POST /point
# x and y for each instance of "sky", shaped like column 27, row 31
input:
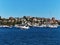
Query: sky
column 36, row 8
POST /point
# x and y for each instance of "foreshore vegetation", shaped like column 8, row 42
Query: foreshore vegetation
column 27, row 20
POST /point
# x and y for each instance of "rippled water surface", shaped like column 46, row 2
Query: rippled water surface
column 32, row 36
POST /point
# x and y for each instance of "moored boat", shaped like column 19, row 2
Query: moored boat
column 24, row 27
column 53, row 26
column 5, row 26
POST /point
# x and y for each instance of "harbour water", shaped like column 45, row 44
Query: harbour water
column 32, row 36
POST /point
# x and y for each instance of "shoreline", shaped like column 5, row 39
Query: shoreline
column 17, row 26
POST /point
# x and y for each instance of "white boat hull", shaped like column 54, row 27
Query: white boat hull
column 53, row 26
column 24, row 27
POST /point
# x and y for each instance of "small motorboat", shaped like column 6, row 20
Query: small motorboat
column 5, row 26
column 53, row 26
column 42, row 25
column 24, row 27
column 17, row 26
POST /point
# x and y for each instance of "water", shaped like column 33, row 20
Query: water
column 32, row 36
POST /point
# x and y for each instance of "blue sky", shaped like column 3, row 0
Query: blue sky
column 39, row 8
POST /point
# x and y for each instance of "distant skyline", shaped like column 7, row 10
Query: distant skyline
column 36, row 8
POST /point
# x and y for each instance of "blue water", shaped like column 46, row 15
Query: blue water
column 32, row 36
